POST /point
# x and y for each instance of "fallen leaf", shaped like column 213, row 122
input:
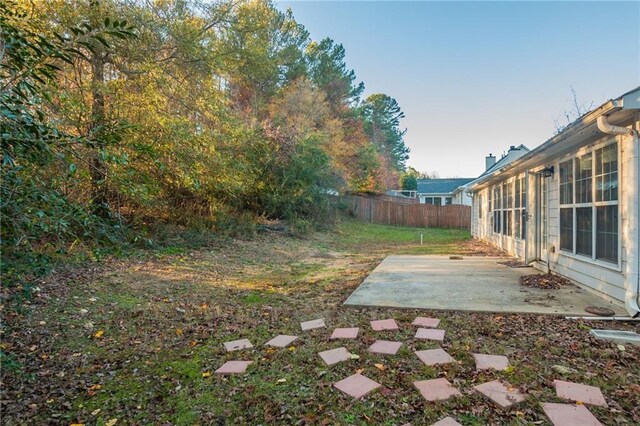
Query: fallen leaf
column 99, row 334
column 354, row 356
column 292, row 348
column 206, row 374
column 111, row 422
column 179, row 331
column 95, row 412
column 282, row 380
column 379, row 367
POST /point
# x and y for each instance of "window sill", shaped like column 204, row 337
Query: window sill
column 596, row 262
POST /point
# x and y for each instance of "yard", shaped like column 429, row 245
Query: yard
column 137, row 341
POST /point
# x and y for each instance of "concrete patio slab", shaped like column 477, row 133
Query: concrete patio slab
column 313, row 324
column 436, row 389
column 491, row 362
column 345, row 333
column 477, row 284
column 569, row 415
column 383, row 325
column 357, row 386
column 430, row 334
column 233, row 367
column 385, row 347
column 578, row 392
column 501, row 393
column 335, row 356
column 237, row 345
column 281, row 341
column 447, row 421
column 426, row 322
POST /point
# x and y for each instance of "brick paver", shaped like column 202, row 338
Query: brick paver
column 310, row 325
column 233, row 367
column 335, row 356
column 434, row 356
column 501, row 393
column 345, row 333
column 357, row 386
column 569, row 415
column 281, row 341
column 237, row 345
column 385, row 347
column 577, row 392
column 386, row 324
column 487, row 362
column 436, row 389
column 430, row 334
column 426, row 322
column 447, row 421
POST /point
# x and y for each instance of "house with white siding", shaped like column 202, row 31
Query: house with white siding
column 571, row 205
column 442, row 192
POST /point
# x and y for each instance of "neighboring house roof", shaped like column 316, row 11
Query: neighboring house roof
column 513, row 154
column 441, row 186
column 570, row 137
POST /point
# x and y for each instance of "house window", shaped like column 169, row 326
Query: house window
column 448, row 201
column 436, row 201
column 520, row 203
column 497, row 210
column 588, row 207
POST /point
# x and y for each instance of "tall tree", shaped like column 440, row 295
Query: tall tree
column 382, row 116
column 328, row 70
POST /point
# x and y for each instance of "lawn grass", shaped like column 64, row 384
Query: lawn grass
column 138, row 341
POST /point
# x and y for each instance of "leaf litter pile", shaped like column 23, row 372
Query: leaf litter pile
column 544, row 281
column 136, row 342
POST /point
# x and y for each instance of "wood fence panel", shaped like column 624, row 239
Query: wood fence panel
column 387, row 211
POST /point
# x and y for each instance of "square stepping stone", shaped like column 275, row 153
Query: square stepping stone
column 430, row 334
column 447, row 421
column 335, row 356
column 357, row 386
column 569, row 415
column 434, row 356
column 577, row 392
column 345, row 333
column 233, row 367
column 436, row 389
column 426, row 322
column 487, row 362
column 310, row 325
column 502, row 394
column 385, row 347
column 281, row 341
column 237, row 345
column 382, row 325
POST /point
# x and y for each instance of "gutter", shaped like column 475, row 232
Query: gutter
column 632, row 273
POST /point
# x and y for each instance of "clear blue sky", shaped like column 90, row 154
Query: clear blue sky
column 477, row 77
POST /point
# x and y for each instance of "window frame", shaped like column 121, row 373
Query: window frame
column 593, row 204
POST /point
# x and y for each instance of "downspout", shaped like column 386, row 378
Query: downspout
column 632, row 278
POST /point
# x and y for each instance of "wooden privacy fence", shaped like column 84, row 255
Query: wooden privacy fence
column 418, row 215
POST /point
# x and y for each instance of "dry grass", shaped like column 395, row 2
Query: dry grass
column 153, row 328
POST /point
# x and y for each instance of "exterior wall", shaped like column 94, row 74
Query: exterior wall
column 606, row 279
column 459, row 197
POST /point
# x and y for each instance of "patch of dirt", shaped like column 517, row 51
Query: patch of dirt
column 544, row 281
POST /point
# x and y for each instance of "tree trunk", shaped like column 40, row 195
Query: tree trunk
column 97, row 129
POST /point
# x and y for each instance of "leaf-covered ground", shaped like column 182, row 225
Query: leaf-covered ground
column 134, row 342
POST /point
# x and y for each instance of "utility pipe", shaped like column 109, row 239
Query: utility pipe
column 632, row 276
column 605, row 318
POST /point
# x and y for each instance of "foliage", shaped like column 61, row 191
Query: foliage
column 119, row 116
column 409, row 181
